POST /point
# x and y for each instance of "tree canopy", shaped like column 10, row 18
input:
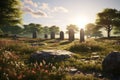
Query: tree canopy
column 10, row 13
column 46, row 30
column 108, row 19
column 54, row 29
column 92, row 30
column 73, row 27
column 32, row 27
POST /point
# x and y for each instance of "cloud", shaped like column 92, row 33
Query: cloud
column 30, row 2
column 37, row 10
column 35, row 14
column 44, row 6
column 60, row 9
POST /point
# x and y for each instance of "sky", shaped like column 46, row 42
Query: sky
column 64, row 12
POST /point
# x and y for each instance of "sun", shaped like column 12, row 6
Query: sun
column 81, row 21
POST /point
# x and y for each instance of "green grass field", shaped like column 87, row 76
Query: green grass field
column 87, row 59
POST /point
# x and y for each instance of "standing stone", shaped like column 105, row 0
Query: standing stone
column 111, row 65
column 46, row 36
column 14, row 37
column 52, row 35
column 82, row 39
column 34, row 35
column 71, row 35
column 61, row 35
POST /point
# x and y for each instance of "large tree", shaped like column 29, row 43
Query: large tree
column 92, row 30
column 73, row 27
column 89, row 29
column 32, row 27
column 54, row 29
column 12, row 29
column 10, row 13
column 108, row 19
column 46, row 30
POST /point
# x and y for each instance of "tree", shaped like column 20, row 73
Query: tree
column 10, row 13
column 12, row 29
column 30, row 28
column 73, row 27
column 92, row 30
column 46, row 30
column 117, row 30
column 89, row 29
column 108, row 19
column 1, row 32
column 54, row 29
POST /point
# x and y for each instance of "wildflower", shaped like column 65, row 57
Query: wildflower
column 33, row 72
column 41, row 64
column 20, row 76
column 46, row 71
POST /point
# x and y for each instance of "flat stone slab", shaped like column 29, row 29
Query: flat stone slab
column 50, row 55
column 57, row 52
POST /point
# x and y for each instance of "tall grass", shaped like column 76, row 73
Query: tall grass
column 16, row 46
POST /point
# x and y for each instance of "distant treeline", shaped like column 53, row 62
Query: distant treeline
column 28, row 29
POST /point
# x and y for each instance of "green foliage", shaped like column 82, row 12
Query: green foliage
column 54, row 29
column 46, row 30
column 1, row 32
column 86, row 47
column 32, row 28
column 73, row 27
column 92, row 30
column 14, row 66
column 11, row 29
column 40, row 29
column 10, row 12
column 108, row 19
column 117, row 30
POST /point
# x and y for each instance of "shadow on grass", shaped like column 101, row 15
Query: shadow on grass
column 65, row 42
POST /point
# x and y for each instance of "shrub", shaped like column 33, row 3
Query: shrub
column 86, row 47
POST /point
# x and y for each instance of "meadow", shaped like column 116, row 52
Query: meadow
column 85, row 64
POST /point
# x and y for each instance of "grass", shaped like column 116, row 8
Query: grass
column 15, row 53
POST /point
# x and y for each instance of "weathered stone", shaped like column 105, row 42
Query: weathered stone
column 52, row 35
column 15, row 37
column 61, row 35
column 111, row 65
column 46, row 36
column 82, row 39
column 34, row 35
column 71, row 35
column 38, row 44
column 50, row 55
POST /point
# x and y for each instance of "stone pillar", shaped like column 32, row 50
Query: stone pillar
column 52, row 35
column 61, row 35
column 71, row 35
column 34, row 35
column 82, row 39
column 14, row 37
column 46, row 36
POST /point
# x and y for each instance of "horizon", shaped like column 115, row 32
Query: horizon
column 62, row 13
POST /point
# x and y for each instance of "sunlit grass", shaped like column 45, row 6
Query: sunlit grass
column 87, row 59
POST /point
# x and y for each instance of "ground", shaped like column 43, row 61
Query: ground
column 85, row 64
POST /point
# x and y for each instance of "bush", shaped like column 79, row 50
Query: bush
column 86, row 47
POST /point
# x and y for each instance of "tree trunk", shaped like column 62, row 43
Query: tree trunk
column 108, row 28
column 108, row 33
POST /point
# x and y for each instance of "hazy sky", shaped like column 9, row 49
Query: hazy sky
column 64, row 12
